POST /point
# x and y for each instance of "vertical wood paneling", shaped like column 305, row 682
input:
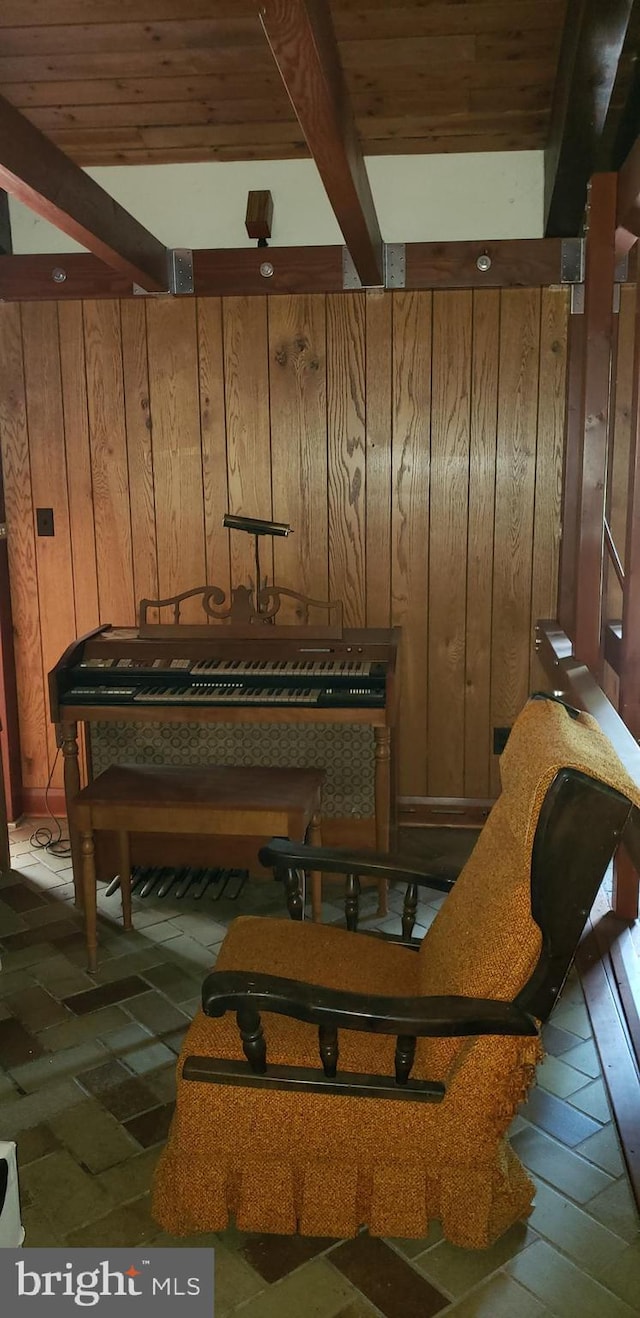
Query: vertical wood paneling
column 379, row 310
column 548, row 479
column 449, row 501
column 14, row 438
column 112, row 510
column 436, row 514
column 482, row 489
column 177, row 452
column 298, row 405
column 515, row 476
column 411, row 346
column 49, row 482
column 214, row 442
column 78, row 463
column 246, row 373
column 139, row 452
column 346, row 440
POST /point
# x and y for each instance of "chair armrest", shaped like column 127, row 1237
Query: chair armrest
column 417, row 1016
column 282, row 855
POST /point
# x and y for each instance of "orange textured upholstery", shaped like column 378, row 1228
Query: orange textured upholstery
column 323, row 1164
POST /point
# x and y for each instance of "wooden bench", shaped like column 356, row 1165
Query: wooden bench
column 257, row 803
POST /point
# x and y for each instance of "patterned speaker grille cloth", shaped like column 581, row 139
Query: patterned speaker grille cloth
column 344, row 751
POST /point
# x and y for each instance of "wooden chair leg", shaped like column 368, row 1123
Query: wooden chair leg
column 87, row 851
column 314, row 838
column 125, row 878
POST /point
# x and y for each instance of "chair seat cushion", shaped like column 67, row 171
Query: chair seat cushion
column 312, row 954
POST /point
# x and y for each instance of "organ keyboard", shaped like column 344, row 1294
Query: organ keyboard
column 315, row 701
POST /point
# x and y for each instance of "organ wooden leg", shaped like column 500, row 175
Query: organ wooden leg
column 87, row 853
column 382, row 797
column 68, row 739
column 314, row 838
column 125, row 878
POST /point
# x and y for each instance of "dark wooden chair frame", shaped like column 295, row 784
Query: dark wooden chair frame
column 579, row 827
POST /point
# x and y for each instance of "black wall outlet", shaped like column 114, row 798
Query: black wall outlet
column 500, row 738
column 44, row 521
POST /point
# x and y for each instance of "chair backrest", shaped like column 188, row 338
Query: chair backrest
column 511, row 925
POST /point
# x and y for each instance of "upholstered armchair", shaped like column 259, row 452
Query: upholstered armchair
column 335, row 1080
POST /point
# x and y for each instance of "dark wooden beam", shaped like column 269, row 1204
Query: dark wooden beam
column 514, row 263
column 522, row 262
column 302, row 40
column 39, row 174
column 594, row 419
column 6, row 245
column 592, row 43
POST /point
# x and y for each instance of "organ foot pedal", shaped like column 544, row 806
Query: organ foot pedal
column 160, row 881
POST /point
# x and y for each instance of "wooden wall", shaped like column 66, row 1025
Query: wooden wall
column 413, row 440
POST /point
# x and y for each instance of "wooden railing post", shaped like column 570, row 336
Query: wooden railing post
column 574, row 433
column 629, row 703
column 598, row 342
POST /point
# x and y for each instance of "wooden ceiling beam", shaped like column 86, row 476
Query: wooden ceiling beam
column 246, row 271
column 39, row 174
column 303, row 43
column 592, row 44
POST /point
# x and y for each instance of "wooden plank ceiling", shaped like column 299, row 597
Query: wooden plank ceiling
column 126, row 81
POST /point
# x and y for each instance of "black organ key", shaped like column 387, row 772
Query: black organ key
column 183, row 887
column 167, row 881
column 150, row 881
column 237, row 880
column 200, row 885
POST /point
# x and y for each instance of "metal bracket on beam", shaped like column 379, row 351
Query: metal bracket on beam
column 179, row 274
column 572, row 261
column 181, row 271
column 621, row 272
column 394, row 265
column 138, row 291
column 350, row 276
column 577, row 299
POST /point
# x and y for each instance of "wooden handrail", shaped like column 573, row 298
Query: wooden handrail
column 573, row 680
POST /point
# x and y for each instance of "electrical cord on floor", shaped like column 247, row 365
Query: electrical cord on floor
column 43, row 839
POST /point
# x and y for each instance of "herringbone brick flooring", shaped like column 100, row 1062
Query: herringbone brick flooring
column 87, row 1085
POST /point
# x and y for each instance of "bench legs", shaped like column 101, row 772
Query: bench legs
column 314, row 839
column 87, row 853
